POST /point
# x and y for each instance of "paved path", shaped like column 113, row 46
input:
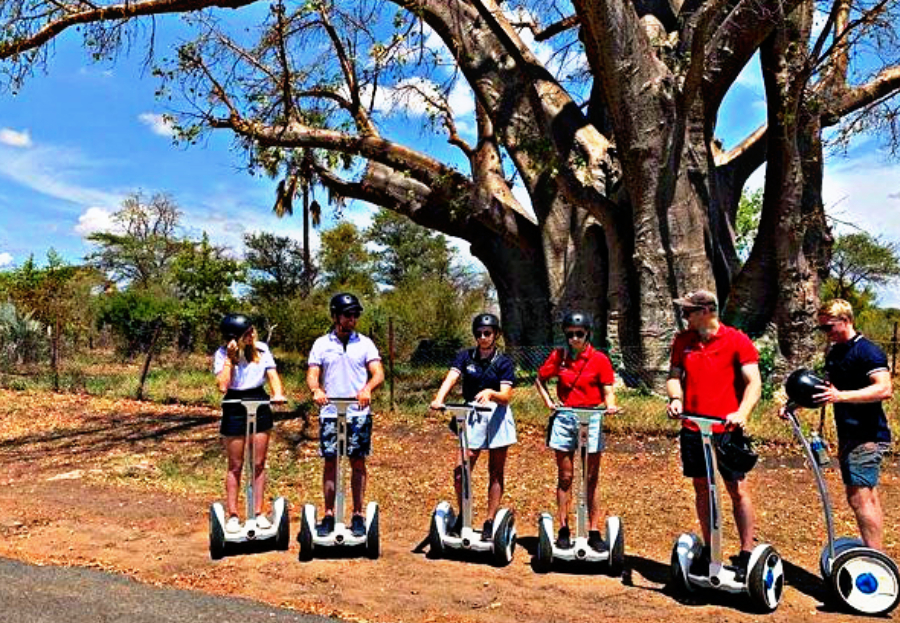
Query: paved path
column 30, row 594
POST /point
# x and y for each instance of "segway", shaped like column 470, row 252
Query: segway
column 502, row 543
column 279, row 531
column 613, row 559
column 341, row 536
column 764, row 583
column 862, row 579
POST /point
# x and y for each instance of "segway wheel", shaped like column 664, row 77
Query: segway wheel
column 543, row 557
column 679, row 585
column 616, row 561
column 216, row 535
column 504, row 540
column 305, row 536
column 373, row 543
column 765, row 583
column 865, row 581
column 435, row 544
column 283, row 533
column 841, row 545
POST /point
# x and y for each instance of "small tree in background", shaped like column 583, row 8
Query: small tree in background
column 345, row 262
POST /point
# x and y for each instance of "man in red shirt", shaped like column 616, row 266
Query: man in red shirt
column 714, row 372
column 585, row 379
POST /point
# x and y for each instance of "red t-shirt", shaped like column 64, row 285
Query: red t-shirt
column 712, row 382
column 580, row 379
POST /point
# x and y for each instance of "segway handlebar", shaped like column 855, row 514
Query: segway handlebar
column 465, row 405
column 243, row 401
column 701, row 419
column 575, row 410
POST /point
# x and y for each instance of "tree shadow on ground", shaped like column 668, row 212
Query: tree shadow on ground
column 105, row 433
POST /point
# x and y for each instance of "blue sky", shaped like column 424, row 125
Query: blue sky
column 77, row 140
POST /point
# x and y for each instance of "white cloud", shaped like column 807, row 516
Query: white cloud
column 49, row 171
column 5, row 259
column 14, row 138
column 95, row 219
column 157, row 123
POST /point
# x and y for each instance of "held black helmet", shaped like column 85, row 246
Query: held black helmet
column 234, row 326
column 802, row 385
column 577, row 319
column 344, row 302
column 735, row 451
column 486, row 320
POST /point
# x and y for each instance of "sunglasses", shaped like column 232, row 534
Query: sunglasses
column 484, row 334
column 571, row 335
column 350, row 314
column 687, row 311
column 825, row 328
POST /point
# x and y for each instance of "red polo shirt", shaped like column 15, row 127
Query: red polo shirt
column 712, row 381
column 580, row 378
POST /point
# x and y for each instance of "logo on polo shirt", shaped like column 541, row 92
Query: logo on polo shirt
column 471, row 368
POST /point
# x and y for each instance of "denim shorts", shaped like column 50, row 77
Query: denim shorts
column 359, row 435
column 694, row 463
column 861, row 462
column 563, row 433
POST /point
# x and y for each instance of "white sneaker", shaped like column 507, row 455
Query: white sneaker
column 233, row 524
column 262, row 522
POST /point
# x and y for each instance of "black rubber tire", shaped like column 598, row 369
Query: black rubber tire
column 543, row 557
column 283, row 534
column 678, row 586
column 840, row 581
column 756, row 584
column 373, row 542
column 435, row 545
column 305, row 538
column 616, row 560
column 216, row 536
column 504, row 540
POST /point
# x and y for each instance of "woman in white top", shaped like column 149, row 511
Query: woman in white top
column 242, row 366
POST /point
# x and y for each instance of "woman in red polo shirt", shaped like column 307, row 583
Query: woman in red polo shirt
column 585, row 379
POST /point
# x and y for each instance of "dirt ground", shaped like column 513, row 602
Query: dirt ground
column 63, row 501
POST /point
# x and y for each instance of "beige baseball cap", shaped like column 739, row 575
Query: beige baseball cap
column 698, row 298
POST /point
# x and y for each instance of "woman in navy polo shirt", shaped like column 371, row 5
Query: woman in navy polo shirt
column 487, row 378
column 585, row 380
column 242, row 366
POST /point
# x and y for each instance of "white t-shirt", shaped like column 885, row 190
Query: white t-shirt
column 246, row 374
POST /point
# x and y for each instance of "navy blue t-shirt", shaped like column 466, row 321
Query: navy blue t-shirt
column 849, row 366
column 478, row 374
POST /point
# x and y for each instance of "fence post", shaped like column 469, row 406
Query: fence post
column 391, row 361
column 894, row 351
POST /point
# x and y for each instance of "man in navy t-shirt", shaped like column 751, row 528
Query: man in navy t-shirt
column 858, row 381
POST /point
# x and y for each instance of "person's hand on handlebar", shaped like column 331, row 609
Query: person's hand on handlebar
column 436, row 405
column 675, row 408
column 735, row 420
column 613, row 409
column 278, row 399
column 364, row 397
column 320, row 397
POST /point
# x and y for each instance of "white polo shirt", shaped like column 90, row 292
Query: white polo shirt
column 344, row 369
column 246, row 374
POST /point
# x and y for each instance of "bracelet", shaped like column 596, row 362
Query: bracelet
column 674, row 398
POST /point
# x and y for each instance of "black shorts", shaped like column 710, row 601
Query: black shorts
column 234, row 416
column 694, row 463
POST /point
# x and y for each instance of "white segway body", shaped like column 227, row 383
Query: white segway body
column 501, row 544
column 612, row 558
column 280, row 529
column 764, row 584
column 341, row 536
column 861, row 579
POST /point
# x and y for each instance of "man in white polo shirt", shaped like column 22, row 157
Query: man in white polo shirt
column 342, row 364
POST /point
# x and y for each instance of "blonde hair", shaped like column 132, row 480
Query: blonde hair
column 247, row 346
column 837, row 308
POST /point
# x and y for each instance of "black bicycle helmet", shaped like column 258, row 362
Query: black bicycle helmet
column 234, row 326
column 344, row 302
column 802, row 385
column 577, row 319
column 486, row 320
column 735, row 451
